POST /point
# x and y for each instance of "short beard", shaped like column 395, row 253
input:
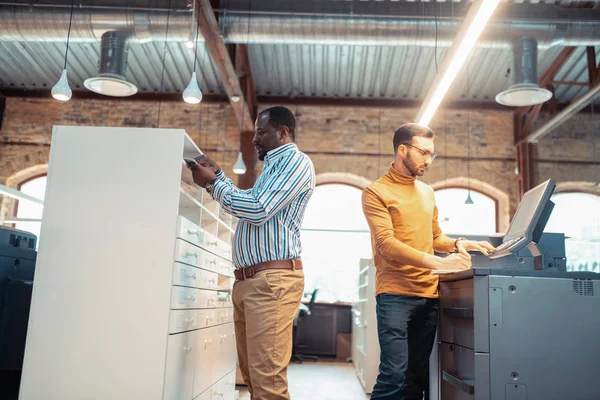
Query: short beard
column 261, row 156
column 410, row 166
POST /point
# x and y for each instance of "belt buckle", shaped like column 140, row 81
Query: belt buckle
column 250, row 273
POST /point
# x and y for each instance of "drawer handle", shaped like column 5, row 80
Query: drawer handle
column 212, row 243
column 465, row 386
column 191, row 298
column 457, row 312
column 208, row 320
column 189, row 321
column 187, row 349
column 190, row 254
column 212, row 281
column 194, row 232
column 190, row 276
column 212, row 262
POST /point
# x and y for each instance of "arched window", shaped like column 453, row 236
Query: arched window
column 335, row 236
column 35, row 187
column 577, row 215
column 457, row 218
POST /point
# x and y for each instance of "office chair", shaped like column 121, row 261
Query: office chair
column 303, row 311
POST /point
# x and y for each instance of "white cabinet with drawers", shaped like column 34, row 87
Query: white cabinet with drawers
column 365, row 343
column 132, row 294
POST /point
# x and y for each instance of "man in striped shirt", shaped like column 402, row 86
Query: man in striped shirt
column 266, row 250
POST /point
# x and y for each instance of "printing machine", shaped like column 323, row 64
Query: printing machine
column 517, row 325
column 17, row 264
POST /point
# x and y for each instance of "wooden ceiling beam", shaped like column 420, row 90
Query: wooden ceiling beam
column 233, row 64
column 219, row 53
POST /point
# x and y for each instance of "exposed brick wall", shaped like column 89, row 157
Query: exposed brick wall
column 566, row 153
column 345, row 139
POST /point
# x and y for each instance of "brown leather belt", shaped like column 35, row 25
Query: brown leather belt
column 249, row 272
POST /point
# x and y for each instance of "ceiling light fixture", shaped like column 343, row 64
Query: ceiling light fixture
column 474, row 23
column 239, row 167
column 61, row 90
column 113, row 62
column 192, row 93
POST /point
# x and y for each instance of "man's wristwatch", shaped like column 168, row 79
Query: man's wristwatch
column 210, row 186
column 456, row 243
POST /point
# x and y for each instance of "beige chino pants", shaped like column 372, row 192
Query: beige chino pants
column 265, row 306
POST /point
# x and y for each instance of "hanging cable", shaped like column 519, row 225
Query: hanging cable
column 163, row 63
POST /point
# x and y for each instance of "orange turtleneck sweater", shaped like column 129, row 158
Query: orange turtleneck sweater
column 403, row 220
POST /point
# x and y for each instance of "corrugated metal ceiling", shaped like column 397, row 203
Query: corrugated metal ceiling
column 395, row 72
column 342, row 71
column 32, row 65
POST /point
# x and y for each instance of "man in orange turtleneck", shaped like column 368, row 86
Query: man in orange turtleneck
column 403, row 220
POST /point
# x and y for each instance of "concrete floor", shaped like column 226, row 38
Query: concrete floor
column 320, row 381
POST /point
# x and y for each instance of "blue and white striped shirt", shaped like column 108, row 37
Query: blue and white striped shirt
column 270, row 214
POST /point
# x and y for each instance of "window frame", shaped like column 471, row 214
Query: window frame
column 19, row 185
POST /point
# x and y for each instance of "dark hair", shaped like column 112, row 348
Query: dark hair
column 406, row 132
column 281, row 116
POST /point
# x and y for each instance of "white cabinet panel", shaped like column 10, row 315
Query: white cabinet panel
column 179, row 375
column 206, row 340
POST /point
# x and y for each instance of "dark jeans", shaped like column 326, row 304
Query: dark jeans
column 406, row 327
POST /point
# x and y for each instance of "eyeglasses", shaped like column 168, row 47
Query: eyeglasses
column 424, row 153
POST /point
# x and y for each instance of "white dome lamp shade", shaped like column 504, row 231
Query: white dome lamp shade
column 523, row 89
column 192, row 93
column 239, row 167
column 113, row 61
column 61, row 91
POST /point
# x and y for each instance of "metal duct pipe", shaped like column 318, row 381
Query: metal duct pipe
column 113, row 55
column 404, row 25
column 523, row 89
column 524, row 62
column 49, row 24
column 411, row 31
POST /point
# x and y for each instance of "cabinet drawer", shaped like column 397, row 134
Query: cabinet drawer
column 457, row 313
column 223, row 315
column 184, row 320
column 185, row 275
column 186, row 298
column 225, row 267
column 225, row 352
column 191, row 254
column 187, row 320
column 179, row 375
column 457, row 369
column 223, row 299
column 225, row 388
column 192, row 233
column 206, row 340
column 188, row 253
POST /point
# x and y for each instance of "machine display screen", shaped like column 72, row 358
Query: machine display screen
column 533, row 200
